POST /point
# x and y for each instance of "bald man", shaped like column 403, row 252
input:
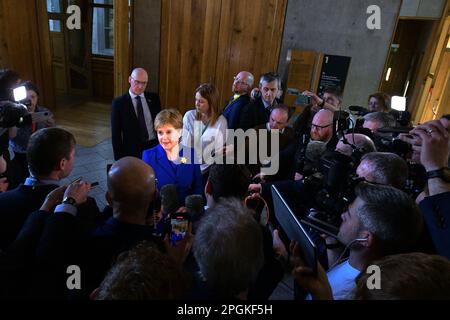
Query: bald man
column 91, row 242
column 362, row 142
column 242, row 86
column 131, row 189
column 278, row 120
column 132, row 118
column 322, row 126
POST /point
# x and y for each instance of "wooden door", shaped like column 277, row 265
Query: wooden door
column 435, row 92
column 58, row 57
column 211, row 40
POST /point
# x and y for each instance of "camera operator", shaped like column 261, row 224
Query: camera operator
column 9, row 79
column 308, row 151
column 383, row 168
column 377, row 120
column 353, row 143
column 430, row 142
column 331, row 100
column 19, row 137
column 381, row 221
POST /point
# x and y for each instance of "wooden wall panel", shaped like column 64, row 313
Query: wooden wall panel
column 122, row 47
column 211, row 40
column 23, row 47
column 103, row 78
column 188, row 49
column 250, row 39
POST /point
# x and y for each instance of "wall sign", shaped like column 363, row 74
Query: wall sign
column 334, row 72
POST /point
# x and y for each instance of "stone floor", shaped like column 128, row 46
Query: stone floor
column 90, row 164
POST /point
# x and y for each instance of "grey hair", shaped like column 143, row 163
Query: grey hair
column 228, row 247
column 391, row 216
column 385, row 120
column 388, row 168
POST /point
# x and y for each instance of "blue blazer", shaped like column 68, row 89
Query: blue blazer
column 233, row 110
column 186, row 176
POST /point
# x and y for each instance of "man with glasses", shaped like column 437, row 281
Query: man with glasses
column 322, row 126
column 132, row 118
column 242, row 86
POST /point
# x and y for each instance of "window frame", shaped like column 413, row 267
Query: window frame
column 92, row 7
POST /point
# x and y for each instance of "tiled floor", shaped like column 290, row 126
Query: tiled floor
column 90, row 164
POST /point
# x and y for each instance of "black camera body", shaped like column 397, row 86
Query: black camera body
column 330, row 190
column 13, row 115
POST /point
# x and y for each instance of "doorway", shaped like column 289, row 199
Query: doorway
column 406, row 54
column 82, row 59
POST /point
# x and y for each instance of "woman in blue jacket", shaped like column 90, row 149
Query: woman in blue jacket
column 172, row 162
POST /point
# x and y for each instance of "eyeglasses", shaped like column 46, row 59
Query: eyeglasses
column 142, row 83
column 320, row 127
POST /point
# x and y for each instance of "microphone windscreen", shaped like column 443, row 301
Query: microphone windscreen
column 195, row 205
column 169, row 198
column 315, row 150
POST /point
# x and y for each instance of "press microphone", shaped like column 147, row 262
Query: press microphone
column 195, row 206
column 169, row 199
column 315, row 150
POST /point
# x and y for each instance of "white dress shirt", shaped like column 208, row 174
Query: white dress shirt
column 147, row 114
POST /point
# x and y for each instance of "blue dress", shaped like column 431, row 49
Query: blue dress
column 184, row 173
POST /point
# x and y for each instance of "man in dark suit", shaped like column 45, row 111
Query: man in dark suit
column 132, row 118
column 278, row 121
column 258, row 111
column 131, row 191
column 242, row 85
column 50, row 154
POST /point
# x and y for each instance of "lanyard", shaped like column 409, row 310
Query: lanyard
column 234, row 99
column 204, row 129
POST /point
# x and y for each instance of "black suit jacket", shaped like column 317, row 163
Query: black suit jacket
column 15, row 207
column 287, row 148
column 436, row 213
column 233, row 111
column 254, row 114
column 126, row 139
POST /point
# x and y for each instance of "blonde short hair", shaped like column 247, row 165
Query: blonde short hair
column 169, row 117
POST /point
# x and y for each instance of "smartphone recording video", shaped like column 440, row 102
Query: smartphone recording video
column 179, row 225
column 303, row 100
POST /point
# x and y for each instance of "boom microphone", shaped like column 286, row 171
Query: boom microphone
column 195, row 206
